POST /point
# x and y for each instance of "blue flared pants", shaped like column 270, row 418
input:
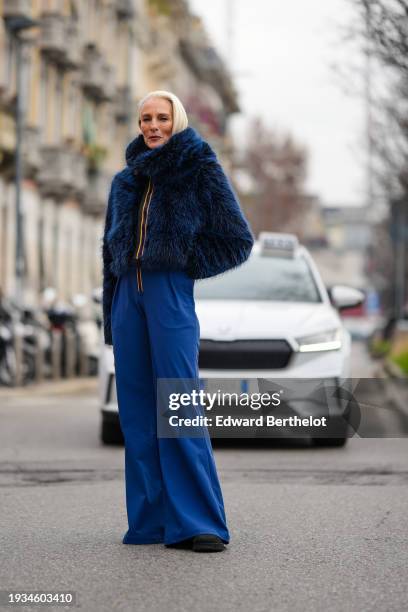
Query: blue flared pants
column 172, row 487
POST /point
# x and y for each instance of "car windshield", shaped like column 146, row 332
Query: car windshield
column 262, row 278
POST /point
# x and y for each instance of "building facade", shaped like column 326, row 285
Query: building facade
column 85, row 66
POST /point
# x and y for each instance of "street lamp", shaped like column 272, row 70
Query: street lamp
column 16, row 24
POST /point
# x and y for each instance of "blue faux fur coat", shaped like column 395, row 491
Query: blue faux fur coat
column 194, row 221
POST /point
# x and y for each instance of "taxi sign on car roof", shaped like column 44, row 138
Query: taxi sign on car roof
column 277, row 244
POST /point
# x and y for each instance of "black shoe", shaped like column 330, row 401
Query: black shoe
column 185, row 544
column 207, row 542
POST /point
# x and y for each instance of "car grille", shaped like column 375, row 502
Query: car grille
column 244, row 354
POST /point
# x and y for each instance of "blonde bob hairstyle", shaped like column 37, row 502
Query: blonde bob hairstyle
column 180, row 119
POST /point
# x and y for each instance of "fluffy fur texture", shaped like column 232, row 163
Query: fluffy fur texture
column 194, row 220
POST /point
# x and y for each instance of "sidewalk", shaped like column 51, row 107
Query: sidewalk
column 64, row 386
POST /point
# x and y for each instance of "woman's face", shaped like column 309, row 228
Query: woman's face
column 156, row 121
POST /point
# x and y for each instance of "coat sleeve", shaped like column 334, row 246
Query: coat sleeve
column 109, row 279
column 223, row 239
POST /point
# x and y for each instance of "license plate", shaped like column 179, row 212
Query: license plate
column 229, row 385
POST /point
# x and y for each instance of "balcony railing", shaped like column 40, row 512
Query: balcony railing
column 17, row 8
column 62, row 172
column 53, row 40
column 97, row 75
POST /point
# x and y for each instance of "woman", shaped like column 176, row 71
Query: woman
column 172, row 218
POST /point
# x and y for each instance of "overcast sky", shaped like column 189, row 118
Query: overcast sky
column 282, row 57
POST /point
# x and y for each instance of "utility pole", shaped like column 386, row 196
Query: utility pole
column 230, row 16
column 397, row 207
column 16, row 24
column 19, row 262
column 400, row 226
column 369, row 114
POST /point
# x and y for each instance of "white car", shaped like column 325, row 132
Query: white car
column 270, row 318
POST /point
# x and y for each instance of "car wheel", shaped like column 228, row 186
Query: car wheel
column 329, row 442
column 111, row 433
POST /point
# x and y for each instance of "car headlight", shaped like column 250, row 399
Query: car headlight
column 323, row 341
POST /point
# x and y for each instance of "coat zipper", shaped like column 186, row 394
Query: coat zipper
column 142, row 234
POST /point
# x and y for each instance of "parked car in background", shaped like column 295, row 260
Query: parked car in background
column 270, row 318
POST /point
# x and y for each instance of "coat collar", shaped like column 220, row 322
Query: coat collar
column 183, row 152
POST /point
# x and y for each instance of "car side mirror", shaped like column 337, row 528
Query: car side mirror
column 344, row 297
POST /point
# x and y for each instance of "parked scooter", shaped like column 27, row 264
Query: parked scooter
column 24, row 325
column 7, row 353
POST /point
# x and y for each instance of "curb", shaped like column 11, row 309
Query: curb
column 67, row 386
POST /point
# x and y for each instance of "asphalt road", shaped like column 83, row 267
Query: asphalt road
column 311, row 529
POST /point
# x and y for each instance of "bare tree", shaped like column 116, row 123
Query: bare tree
column 277, row 165
column 387, row 30
column 383, row 28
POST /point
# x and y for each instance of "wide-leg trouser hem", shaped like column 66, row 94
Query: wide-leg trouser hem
column 153, row 539
column 160, row 540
